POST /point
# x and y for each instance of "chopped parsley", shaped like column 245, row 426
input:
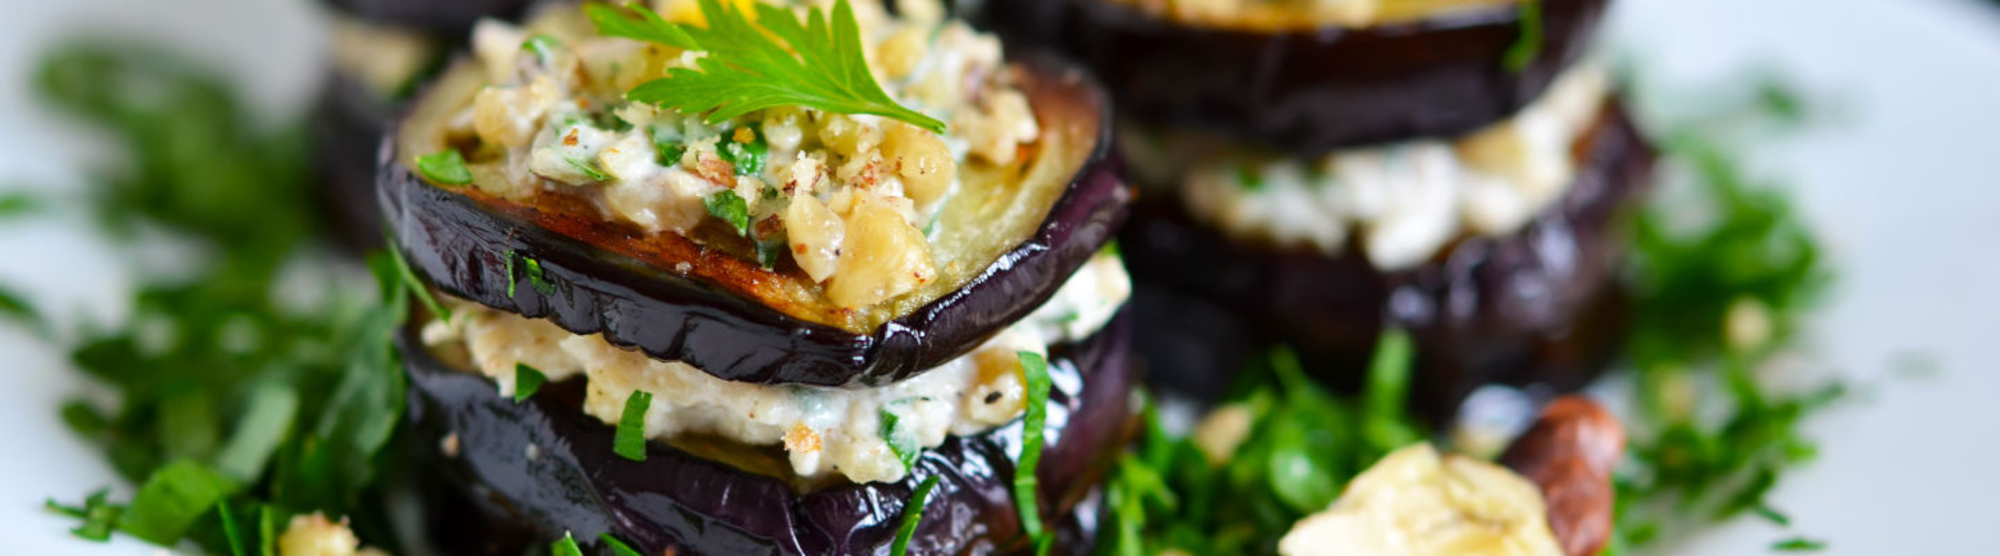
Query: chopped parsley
column 1249, row 178
column 767, row 61
column 1798, row 544
column 1303, row 445
column 668, row 144
column 901, row 441
column 630, row 441
column 729, row 207
column 538, row 279
column 618, row 547
column 531, row 268
column 1035, row 373
column 17, row 204
column 1715, row 457
column 260, row 403
column 1529, row 43
column 415, row 285
column 543, row 45
column 913, row 513
column 587, row 168
column 566, row 546
column 99, row 515
column 527, row 381
column 446, row 167
column 747, row 157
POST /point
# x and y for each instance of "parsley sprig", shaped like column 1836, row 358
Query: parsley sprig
column 750, row 66
column 251, row 410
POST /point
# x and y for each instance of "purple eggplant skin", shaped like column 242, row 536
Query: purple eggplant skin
column 1542, row 305
column 348, row 121
column 546, row 467
column 1313, row 90
column 631, row 293
column 454, row 17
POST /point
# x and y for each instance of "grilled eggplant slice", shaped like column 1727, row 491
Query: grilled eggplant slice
column 541, row 468
column 1003, row 244
column 1539, row 305
column 1312, row 90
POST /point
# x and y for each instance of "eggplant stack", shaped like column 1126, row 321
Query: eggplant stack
column 789, row 330
column 1316, row 170
column 380, row 51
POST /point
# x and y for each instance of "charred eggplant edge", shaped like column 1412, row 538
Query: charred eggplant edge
column 467, row 249
column 1310, row 91
column 546, row 466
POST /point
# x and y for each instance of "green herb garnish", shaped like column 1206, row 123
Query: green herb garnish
column 587, row 168
column 1798, row 544
column 537, row 278
column 1529, row 43
column 527, row 381
column 618, row 547
column 172, row 499
column 543, row 45
column 254, row 401
column 16, row 204
column 1248, row 177
column 99, row 515
column 668, row 144
column 774, row 61
column 446, row 166
column 630, row 441
column 415, row 286
column 901, row 442
column 566, row 546
column 232, row 535
column 747, row 157
column 1035, row 373
column 729, row 207
column 913, row 512
column 1716, row 456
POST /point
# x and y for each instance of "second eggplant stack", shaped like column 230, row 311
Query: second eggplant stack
column 1314, row 172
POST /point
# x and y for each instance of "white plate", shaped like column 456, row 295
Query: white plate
column 1899, row 181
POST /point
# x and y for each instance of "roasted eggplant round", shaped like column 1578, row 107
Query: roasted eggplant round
column 448, row 16
column 1540, row 305
column 543, row 467
column 1027, row 226
column 1311, row 90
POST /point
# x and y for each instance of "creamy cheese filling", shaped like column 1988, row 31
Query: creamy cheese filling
column 823, row 430
column 1403, row 201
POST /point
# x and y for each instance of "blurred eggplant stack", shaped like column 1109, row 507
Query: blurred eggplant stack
column 1313, row 171
column 379, row 52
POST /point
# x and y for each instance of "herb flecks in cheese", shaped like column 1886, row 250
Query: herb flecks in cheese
column 1403, row 202
column 823, row 430
column 846, row 196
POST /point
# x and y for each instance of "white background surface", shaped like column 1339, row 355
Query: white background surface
column 1899, row 179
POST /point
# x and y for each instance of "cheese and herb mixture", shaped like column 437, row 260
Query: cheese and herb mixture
column 1403, row 202
column 823, row 430
column 1283, row 14
column 1416, row 502
column 849, row 198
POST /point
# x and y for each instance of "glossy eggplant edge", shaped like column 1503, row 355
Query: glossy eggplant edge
column 468, row 249
column 537, row 469
column 1309, row 91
